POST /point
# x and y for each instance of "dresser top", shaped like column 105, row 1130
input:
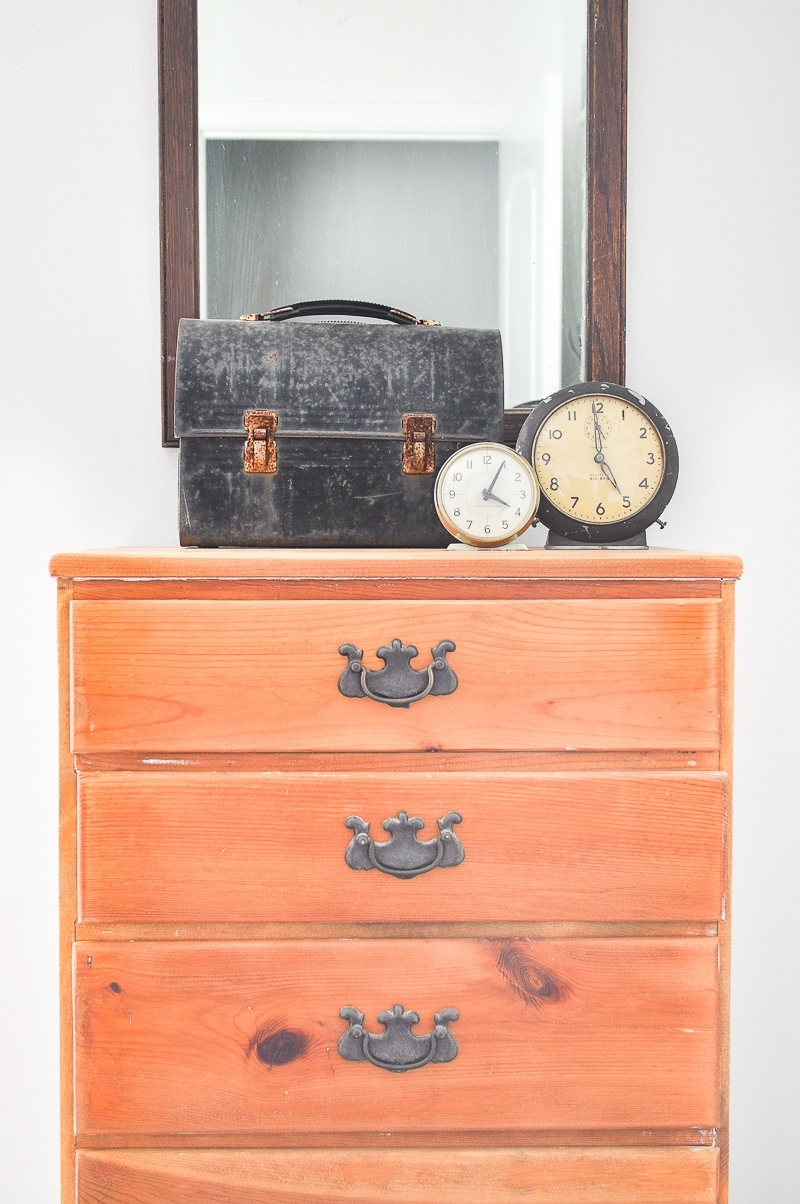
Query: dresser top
column 296, row 563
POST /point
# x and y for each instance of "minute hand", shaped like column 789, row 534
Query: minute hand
column 487, row 493
column 599, row 457
column 598, row 434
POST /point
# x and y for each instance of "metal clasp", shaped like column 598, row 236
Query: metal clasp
column 260, row 452
column 418, row 454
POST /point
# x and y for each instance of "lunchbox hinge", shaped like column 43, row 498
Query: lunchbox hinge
column 260, row 452
column 418, row 446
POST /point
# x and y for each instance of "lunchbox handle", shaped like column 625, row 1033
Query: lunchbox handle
column 339, row 308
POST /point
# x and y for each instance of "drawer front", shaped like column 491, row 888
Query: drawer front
column 490, row 1176
column 237, row 676
column 244, row 1038
column 261, row 847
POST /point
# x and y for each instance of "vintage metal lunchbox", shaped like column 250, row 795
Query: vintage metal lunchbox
column 309, row 434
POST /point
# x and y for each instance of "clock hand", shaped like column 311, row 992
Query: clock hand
column 599, row 457
column 488, row 495
column 601, row 460
column 598, row 434
column 487, row 492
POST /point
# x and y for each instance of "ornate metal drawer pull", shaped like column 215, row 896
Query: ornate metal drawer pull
column 403, row 855
column 397, row 684
column 398, row 1048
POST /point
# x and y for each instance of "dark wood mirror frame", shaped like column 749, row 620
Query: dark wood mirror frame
column 607, row 67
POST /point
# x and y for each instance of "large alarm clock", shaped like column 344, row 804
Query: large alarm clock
column 605, row 460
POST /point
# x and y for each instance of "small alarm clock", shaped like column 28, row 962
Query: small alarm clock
column 606, row 461
column 486, row 495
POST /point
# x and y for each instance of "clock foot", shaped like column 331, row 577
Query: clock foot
column 515, row 545
column 559, row 541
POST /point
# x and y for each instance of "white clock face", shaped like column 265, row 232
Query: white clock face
column 486, row 495
column 598, row 459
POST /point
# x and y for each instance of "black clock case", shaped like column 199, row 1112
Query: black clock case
column 340, row 392
column 569, row 532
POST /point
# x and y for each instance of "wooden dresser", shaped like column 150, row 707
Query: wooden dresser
column 279, row 988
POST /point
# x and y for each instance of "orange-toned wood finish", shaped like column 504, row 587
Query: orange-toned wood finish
column 227, row 676
column 68, row 890
column 269, row 847
column 341, row 590
column 176, row 1038
column 429, row 761
column 585, row 935
column 406, row 564
column 336, row 1176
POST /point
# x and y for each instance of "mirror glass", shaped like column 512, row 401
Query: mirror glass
column 429, row 155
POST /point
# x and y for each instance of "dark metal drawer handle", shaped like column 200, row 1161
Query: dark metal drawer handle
column 403, row 855
column 398, row 1048
column 397, row 684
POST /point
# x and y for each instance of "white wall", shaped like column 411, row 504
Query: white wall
column 713, row 326
column 82, row 464
column 713, row 334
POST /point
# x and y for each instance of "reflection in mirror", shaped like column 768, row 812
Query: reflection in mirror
column 429, row 155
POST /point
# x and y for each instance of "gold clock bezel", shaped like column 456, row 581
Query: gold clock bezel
column 464, row 536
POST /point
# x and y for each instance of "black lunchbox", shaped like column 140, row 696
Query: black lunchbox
column 314, row 434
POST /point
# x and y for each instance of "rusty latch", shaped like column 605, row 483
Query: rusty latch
column 418, row 446
column 260, row 452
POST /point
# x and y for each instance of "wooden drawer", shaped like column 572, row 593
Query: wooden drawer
column 242, row 1038
column 546, row 674
column 522, row 1176
column 258, row 847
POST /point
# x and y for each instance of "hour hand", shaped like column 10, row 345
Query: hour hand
column 489, row 496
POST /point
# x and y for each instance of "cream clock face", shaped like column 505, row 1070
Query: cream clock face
column 486, row 495
column 598, row 459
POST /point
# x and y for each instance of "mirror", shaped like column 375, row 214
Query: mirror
column 441, row 156
column 428, row 156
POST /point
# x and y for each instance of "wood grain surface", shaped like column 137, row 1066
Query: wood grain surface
column 500, row 930
column 429, row 1139
column 726, row 758
column 606, row 189
column 341, row 589
column 178, row 187
column 598, row 1025
column 392, row 563
column 552, row 1034
column 504, row 761
column 237, row 676
column 248, row 847
column 68, row 895
column 335, row 1176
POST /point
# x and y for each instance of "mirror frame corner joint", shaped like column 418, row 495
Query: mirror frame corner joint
column 606, row 116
